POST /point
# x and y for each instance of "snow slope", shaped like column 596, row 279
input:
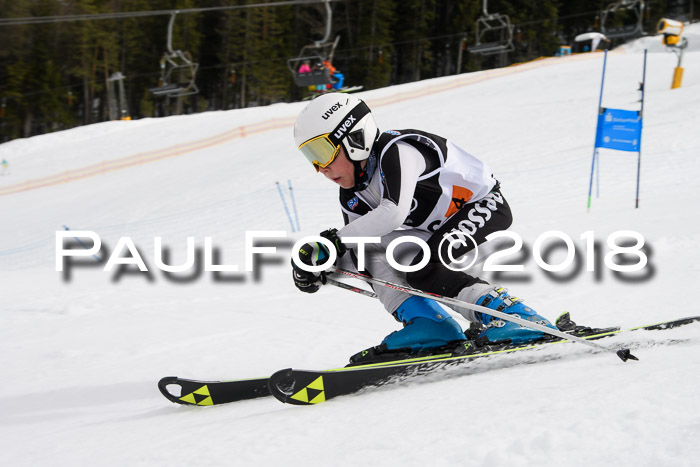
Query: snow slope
column 81, row 354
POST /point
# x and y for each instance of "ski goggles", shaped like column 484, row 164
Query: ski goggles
column 322, row 150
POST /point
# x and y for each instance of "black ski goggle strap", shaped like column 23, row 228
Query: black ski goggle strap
column 345, row 127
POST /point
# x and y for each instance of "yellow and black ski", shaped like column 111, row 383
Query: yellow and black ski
column 205, row 393
column 306, row 387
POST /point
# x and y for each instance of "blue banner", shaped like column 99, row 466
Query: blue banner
column 619, row 129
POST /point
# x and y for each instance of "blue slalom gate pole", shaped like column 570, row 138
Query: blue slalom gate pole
column 284, row 203
column 595, row 144
column 641, row 123
column 77, row 239
column 294, row 204
column 597, row 174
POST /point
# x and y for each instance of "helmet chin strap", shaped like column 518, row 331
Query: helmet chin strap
column 364, row 175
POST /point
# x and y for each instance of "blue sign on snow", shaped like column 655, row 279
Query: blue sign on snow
column 619, row 129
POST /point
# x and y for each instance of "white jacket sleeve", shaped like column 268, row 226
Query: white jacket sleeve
column 401, row 166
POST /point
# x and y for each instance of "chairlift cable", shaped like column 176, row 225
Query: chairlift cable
column 341, row 52
column 139, row 14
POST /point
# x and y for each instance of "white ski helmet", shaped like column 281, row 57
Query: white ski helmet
column 331, row 120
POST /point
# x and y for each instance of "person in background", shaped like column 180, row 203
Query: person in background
column 305, row 68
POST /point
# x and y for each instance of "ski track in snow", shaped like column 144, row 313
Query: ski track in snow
column 81, row 356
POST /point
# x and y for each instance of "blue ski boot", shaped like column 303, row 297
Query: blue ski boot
column 428, row 329
column 426, row 326
column 501, row 330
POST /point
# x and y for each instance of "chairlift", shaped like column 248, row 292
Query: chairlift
column 621, row 9
column 316, row 53
column 494, row 34
column 177, row 70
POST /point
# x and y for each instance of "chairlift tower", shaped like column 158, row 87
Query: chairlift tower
column 118, row 107
column 494, row 34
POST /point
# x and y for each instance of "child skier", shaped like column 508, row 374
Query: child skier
column 408, row 182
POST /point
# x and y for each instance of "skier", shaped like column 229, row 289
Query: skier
column 408, row 182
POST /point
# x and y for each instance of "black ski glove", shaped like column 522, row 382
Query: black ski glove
column 332, row 235
column 315, row 254
column 311, row 254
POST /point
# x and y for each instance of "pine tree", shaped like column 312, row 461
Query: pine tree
column 34, row 85
column 229, row 28
column 14, row 69
column 455, row 27
column 142, row 44
column 270, row 80
column 414, row 23
column 374, row 22
column 94, row 57
column 536, row 28
column 56, row 75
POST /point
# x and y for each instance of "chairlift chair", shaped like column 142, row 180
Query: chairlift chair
column 178, row 70
column 497, row 29
column 318, row 52
column 631, row 29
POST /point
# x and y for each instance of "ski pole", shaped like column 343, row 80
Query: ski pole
column 351, row 288
column 624, row 354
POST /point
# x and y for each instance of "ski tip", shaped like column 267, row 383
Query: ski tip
column 163, row 387
column 625, row 355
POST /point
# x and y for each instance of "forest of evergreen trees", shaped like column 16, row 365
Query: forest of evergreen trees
column 55, row 75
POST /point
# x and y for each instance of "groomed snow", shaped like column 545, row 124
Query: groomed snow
column 81, row 355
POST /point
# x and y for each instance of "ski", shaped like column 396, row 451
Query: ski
column 342, row 381
column 341, row 90
column 203, row 393
column 304, row 387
